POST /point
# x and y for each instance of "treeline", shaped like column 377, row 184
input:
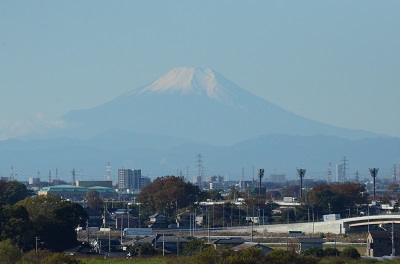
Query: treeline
column 44, row 222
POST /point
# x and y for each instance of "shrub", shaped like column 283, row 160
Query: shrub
column 331, row 251
column 350, row 252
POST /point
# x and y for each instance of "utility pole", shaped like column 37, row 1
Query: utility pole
column 374, row 173
column 301, row 173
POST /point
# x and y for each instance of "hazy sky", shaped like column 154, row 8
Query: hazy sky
column 333, row 61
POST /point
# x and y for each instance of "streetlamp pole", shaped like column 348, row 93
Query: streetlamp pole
column 374, row 173
column 36, row 239
column 301, row 173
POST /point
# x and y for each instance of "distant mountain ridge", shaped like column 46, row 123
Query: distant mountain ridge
column 161, row 127
column 197, row 104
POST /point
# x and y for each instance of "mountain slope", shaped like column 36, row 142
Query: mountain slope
column 197, row 104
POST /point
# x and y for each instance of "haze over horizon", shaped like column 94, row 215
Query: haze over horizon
column 333, row 62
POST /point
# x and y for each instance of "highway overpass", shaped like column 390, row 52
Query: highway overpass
column 342, row 226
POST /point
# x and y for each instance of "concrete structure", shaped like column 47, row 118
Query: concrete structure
column 342, row 226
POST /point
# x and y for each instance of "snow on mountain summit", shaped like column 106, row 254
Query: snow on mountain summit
column 186, row 80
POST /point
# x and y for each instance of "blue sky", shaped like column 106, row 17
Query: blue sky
column 336, row 62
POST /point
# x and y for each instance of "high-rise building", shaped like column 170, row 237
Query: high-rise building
column 340, row 173
column 129, row 179
column 278, row 178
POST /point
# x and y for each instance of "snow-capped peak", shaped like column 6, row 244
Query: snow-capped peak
column 187, row 80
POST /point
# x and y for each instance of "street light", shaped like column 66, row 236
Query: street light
column 36, row 239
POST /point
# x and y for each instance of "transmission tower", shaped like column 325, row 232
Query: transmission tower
column 200, row 166
column 357, row 176
column 344, row 168
column 49, row 177
column 394, row 173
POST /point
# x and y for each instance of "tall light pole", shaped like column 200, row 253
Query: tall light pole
column 301, row 173
column 260, row 175
column 36, row 239
column 374, row 173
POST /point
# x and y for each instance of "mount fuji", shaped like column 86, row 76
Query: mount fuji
column 162, row 127
column 197, row 104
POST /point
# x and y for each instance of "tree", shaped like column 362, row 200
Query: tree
column 12, row 192
column 194, row 246
column 94, row 200
column 18, row 227
column 33, row 257
column 143, row 249
column 54, row 220
column 168, row 193
column 336, row 198
column 61, row 258
column 8, row 252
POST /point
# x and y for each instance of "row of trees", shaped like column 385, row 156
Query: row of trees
column 171, row 194
column 46, row 221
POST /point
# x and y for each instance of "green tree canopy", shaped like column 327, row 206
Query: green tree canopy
column 11, row 192
column 17, row 226
column 54, row 220
column 8, row 252
column 169, row 192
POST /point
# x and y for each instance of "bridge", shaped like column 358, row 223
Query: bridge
column 342, row 226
